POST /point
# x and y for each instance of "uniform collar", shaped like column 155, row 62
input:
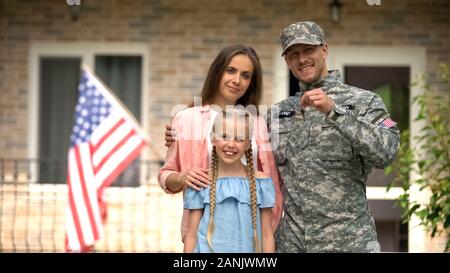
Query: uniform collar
column 326, row 83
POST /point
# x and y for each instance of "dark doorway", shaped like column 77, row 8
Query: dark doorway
column 58, row 87
column 293, row 84
column 58, row 83
column 392, row 84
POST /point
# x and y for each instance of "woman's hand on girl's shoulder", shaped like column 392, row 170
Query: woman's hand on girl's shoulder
column 259, row 174
column 195, row 178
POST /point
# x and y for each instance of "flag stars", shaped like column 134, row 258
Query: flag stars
column 91, row 110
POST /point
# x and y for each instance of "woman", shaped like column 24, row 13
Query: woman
column 234, row 78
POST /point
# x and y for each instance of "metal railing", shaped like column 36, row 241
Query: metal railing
column 141, row 217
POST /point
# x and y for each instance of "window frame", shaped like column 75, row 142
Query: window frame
column 86, row 51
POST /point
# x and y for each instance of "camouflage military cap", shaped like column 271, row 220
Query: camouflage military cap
column 307, row 32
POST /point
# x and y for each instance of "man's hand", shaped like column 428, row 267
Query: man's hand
column 170, row 135
column 318, row 99
column 195, row 178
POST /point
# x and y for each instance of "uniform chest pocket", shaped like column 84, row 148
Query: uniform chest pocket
column 334, row 145
column 280, row 132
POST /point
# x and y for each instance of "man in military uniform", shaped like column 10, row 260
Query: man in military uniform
column 326, row 140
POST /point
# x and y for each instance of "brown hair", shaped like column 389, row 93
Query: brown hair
column 250, row 173
column 218, row 67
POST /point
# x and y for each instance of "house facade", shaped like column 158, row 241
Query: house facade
column 155, row 54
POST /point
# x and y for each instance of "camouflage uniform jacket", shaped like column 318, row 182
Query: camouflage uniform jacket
column 324, row 163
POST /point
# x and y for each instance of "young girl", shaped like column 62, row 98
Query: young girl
column 234, row 213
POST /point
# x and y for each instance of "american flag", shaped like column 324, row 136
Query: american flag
column 387, row 123
column 105, row 140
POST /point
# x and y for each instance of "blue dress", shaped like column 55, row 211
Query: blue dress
column 233, row 227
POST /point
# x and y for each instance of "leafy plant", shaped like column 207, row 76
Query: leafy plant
column 430, row 160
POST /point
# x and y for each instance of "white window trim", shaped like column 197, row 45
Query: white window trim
column 280, row 78
column 86, row 51
column 341, row 56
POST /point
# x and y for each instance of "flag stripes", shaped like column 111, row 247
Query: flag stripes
column 105, row 140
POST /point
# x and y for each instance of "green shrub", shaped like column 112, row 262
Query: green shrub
column 431, row 160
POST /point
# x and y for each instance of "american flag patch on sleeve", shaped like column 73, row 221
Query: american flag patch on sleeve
column 387, row 123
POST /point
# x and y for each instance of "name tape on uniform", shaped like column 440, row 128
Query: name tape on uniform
column 286, row 114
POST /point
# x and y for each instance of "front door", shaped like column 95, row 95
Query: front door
column 392, row 84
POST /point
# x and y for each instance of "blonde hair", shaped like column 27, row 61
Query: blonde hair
column 250, row 172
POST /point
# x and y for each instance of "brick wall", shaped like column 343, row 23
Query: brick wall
column 184, row 36
column 436, row 244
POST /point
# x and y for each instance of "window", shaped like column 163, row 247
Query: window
column 392, row 232
column 123, row 75
column 59, row 78
column 57, row 94
column 293, row 84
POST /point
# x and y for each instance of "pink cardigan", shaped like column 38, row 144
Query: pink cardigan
column 190, row 150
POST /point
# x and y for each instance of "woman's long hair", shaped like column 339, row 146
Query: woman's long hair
column 250, row 172
column 218, row 67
